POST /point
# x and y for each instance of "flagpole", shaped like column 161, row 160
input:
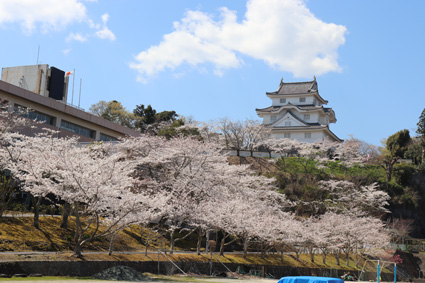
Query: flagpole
column 79, row 97
column 73, row 80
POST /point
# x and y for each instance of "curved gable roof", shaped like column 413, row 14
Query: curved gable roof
column 289, row 112
column 294, row 88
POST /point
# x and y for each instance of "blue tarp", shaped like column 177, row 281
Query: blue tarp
column 309, row 279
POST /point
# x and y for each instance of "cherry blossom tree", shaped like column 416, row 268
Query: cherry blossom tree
column 97, row 180
column 236, row 135
column 11, row 124
column 182, row 168
column 346, row 196
column 349, row 153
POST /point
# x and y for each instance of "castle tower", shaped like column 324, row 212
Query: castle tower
column 297, row 112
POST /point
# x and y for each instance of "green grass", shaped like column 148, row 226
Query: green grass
column 46, row 278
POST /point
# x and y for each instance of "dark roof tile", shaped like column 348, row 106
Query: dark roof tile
column 296, row 88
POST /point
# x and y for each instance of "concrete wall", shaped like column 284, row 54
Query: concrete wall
column 32, row 78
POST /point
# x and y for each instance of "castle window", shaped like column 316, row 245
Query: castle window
column 287, row 135
column 302, row 99
column 307, row 135
column 306, row 117
column 283, row 100
column 288, row 123
column 273, row 118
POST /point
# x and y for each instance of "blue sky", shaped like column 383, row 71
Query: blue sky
column 214, row 59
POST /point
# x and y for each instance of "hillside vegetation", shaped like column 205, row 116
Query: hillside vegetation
column 19, row 235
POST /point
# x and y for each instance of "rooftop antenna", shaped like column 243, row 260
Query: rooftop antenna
column 38, row 53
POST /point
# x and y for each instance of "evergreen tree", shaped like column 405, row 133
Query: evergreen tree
column 421, row 132
column 396, row 147
column 421, row 124
column 144, row 116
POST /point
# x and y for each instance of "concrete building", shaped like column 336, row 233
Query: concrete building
column 43, row 90
column 297, row 112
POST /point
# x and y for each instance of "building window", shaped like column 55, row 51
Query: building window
column 307, row 135
column 302, row 99
column 288, row 123
column 34, row 115
column 273, row 118
column 287, row 135
column 315, row 101
column 77, row 129
column 283, row 100
column 306, row 117
column 104, row 137
column 4, row 105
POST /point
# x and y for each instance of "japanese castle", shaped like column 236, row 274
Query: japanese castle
column 297, row 112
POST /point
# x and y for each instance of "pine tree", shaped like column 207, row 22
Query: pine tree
column 421, row 124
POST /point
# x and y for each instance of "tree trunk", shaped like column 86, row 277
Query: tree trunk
column 297, row 254
column 111, row 243
column 324, row 257
column 263, row 250
column 223, row 240
column 36, row 222
column 77, row 237
column 284, row 164
column 311, row 251
column 347, row 259
column 389, row 168
column 78, row 249
column 172, row 242
column 198, row 244
column 281, row 255
column 337, row 258
column 146, row 249
column 65, row 215
column 245, row 247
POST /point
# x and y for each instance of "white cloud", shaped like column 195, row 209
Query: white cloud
column 105, row 32
column 76, row 36
column 66, row 51
column 92, row 24
column 46, row 14
column 105, row 18
column 284, row 34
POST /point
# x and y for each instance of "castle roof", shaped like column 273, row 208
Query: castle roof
column 295, row 88
column 307, row 107
column 283, row 129
column 296, row 118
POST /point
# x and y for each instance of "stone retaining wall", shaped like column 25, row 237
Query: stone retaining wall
column 89, row 268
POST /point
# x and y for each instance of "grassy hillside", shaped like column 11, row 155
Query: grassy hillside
column 18, row 234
